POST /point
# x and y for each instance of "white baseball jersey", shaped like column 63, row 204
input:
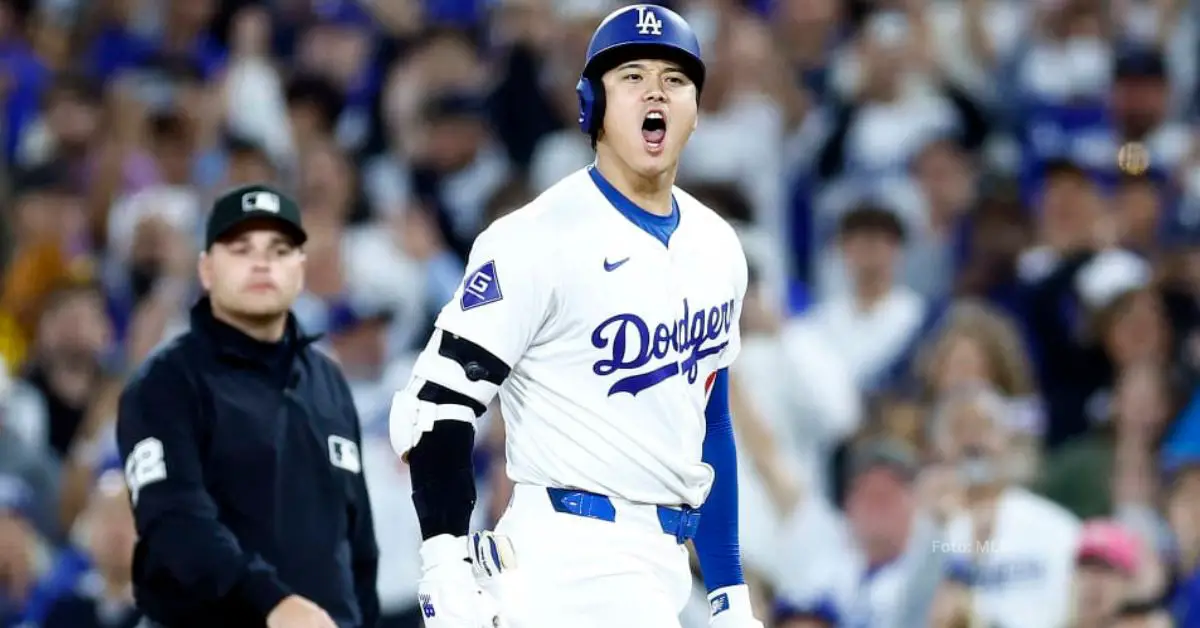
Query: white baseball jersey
column 1023, row 576
column 613, row 332
column 818, row 560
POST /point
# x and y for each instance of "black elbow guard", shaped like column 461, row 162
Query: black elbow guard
column 443, row 479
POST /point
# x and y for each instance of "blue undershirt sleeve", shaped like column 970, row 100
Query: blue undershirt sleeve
column 716, row 540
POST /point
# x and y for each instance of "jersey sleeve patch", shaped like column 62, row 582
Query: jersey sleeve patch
column 145, row 465
column 481, row 287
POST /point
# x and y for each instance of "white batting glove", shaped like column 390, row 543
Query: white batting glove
column 450, row 596
column 729, row 607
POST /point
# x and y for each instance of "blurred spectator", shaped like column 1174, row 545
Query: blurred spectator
column 313, row 108
column 860, row 569
column 48, row 230
column 1141, row 614
column 565, row 149
column 997, row 233
column 103, row 597
column 876, row 320
column 457, row 165
column 25, row 458
column 1183, row 515
column 24, row 556
column 946, row 177
column 248, row 163
column 889, row 98
column 975, row 345
column 1096, row 314
column 1009, row 554
column 93, row 452
column 1181, row 288
column 66, row 125
column 1113, row 465
column 1140, row 207
column 255, row 101
column 65, row 368
column 1106, row 563
column 178, row 27
column 799, row 384
column 337, row 47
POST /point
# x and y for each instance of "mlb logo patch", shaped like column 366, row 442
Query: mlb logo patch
column 260, row 201
column 481, row 287
column 343, row 454
column 719, row 604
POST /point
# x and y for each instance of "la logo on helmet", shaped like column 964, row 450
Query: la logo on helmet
column 648, row 23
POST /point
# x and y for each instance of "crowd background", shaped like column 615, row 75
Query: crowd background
column 965, row 321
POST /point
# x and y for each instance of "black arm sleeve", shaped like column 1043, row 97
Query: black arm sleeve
column 443, row 478
column 179, row 536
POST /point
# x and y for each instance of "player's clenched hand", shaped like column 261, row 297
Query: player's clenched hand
column 297, row 612
column 450, row 596
column 729, row 607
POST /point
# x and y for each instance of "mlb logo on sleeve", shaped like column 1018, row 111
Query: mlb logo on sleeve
column 481, row 287
column 343, row 454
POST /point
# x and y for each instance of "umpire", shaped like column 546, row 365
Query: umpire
column 241, row 448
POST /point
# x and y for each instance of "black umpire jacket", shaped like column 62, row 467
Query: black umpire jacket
column 243, row 463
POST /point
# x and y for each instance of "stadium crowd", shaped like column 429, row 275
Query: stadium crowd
column 971, row 342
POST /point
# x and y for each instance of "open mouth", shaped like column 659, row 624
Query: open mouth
column 654, row 130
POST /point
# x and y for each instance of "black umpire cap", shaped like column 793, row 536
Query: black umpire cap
column 254, row 202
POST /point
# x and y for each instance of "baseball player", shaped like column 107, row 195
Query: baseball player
column 605, row 314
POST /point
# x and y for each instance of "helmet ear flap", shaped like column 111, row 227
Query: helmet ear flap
column 587, row 102
column 591, row 107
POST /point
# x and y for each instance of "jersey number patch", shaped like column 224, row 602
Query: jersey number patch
column 481, row 287
column 144, row 466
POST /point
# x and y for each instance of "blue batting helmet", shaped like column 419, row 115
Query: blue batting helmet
column 638, row 31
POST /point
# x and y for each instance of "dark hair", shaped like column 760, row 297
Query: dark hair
column 871, row 218
column 176, row 68
column 51, row 177
column 438, row 33
column 238, row 146
column 169, row 126
column 22, row 11
column 68, row 289
column 1065, row 169
column 316, row 91
column 72, row 85
column 512, row 195
column 1135, row 609
column 723, row 198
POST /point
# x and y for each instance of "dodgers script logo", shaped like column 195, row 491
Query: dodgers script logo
column 633, row 344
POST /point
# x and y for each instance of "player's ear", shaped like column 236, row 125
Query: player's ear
column 204, row 270
column 303, row 269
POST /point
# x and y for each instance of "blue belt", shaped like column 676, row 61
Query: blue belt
column 681, row 523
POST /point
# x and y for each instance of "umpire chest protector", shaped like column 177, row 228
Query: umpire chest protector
column 640, row 31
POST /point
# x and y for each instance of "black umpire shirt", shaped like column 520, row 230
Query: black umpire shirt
column 243, row 464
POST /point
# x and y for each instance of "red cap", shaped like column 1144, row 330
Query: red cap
column 1110, row 543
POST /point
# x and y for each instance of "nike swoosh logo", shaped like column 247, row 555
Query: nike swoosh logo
column 614, row 265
